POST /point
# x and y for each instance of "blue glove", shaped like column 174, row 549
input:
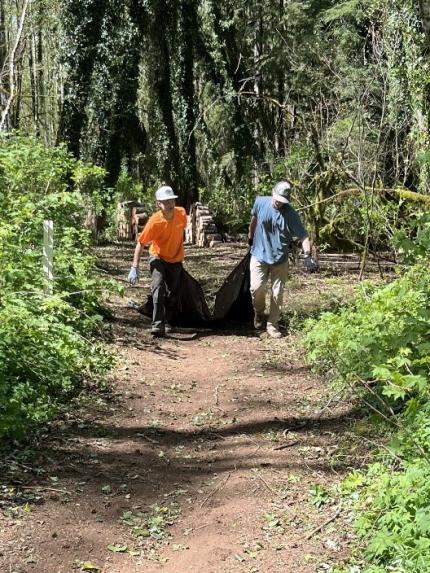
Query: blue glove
column 133, row 275
column 310, row 264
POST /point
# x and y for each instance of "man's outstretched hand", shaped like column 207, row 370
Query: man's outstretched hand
column 310, row 265
column 133, row 275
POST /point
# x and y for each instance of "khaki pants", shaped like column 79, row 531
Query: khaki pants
column 260, row 273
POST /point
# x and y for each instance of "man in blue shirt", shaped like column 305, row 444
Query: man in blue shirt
column 273, row 224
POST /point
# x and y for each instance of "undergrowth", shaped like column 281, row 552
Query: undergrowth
column 49, row 342
column 380, row 346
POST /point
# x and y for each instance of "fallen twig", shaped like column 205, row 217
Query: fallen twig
column 202, row 526
column 151, row 440
column 45, row 488
column 215, row 490
column 320, row 527
column 333, row 397
column 28, row 468
column 290, row 445
column 268, row 486
column 216, row 396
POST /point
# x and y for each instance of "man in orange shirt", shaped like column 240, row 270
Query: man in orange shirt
column 165, row 231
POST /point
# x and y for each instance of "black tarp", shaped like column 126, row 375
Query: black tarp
column 232, row 300
column 192, row 306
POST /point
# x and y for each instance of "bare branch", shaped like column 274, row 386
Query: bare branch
column 12, row 65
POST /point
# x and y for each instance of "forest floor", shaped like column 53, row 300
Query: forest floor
column 214, row 455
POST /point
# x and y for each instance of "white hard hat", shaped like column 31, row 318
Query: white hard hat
column 281, row 191
column 165, row 193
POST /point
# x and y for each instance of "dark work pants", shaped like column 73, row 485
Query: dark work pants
column 165, row 281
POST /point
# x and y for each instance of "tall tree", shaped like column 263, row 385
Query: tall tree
column 186, row 102
column 113, row 132
column 82, row 26
column 162, row 130
column 4, row 76
column 9, row 117
column 424, row 6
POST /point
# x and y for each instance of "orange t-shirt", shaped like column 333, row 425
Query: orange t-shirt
column 166, row 237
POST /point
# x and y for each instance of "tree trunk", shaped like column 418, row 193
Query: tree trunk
column 280, row 141
column 34, row 82
column 41, row 96
column 244, row 144
column 10, row 116
column 161, row 86
column 82, row 25
column 189, row 183
column 425, row 18
column 4, row 77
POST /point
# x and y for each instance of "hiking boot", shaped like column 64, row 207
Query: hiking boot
column 273, row 331
column 258, row 321
column 158, row 332
column 169, row 328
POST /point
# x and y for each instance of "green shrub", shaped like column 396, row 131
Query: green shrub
column 393, row 518
column 383, row 338
column 374, row 330
column 413, row 244
column 42, row 360
column 46, row 341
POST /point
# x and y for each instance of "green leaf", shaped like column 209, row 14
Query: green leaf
column 117, row 548
column 88, row 566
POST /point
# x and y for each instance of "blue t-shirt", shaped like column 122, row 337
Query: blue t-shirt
column 274, row 231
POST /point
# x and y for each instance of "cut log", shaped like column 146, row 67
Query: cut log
column 201, row 228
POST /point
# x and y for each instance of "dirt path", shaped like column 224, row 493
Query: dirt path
column 210, row 456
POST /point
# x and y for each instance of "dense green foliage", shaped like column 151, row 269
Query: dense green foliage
column 219, row 98
column 360, row 341
column 393, row 517
column 47, row 344
column 379, row 345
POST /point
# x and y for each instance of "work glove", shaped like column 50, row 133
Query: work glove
column 133, row 275
column 310, row 265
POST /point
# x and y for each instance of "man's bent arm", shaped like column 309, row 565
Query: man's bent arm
column 306, row 246
column 252, row 226
column 137, row 254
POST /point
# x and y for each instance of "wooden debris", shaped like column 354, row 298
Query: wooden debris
column 320, row 527
column 131, row 218
column 289, row 445
column 201, row 229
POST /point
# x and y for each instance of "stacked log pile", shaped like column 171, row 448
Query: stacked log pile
column 139, row 218
column 91, row 222
column 131, row 218
column 347, row 262
column 201, row 229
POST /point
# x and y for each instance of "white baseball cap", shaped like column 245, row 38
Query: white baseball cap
column 281, row 191
column 165, row 193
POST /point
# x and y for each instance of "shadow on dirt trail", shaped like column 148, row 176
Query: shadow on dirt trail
column 179, row 466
